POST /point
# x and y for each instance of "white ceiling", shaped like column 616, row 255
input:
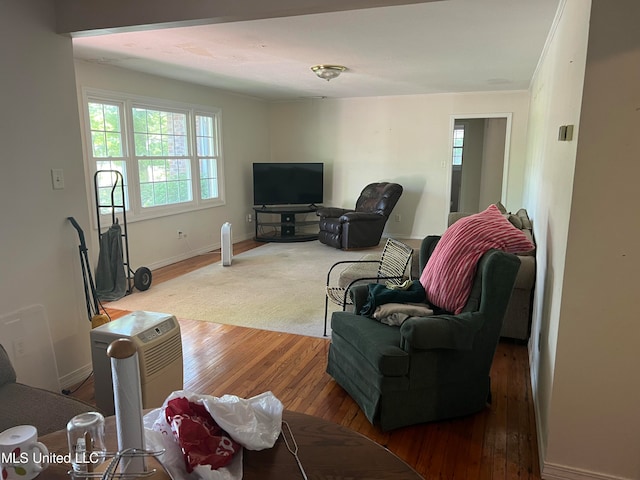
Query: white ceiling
column 435, row 47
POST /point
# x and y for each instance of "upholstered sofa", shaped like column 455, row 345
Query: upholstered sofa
column 25, row 405
column 517, row 321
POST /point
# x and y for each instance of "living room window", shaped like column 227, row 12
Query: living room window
column 168, row 154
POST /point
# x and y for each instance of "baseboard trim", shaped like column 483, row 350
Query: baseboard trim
column 551, row 471
column 193, row 253
column 75, row 377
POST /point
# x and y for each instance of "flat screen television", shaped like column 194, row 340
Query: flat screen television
column 288, row 183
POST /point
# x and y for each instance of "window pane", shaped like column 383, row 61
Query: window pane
column 205, row 146
column 146, row 195
column 112, row 118
column 458, row 144
column 141, row 145
column 158, row 133
column 114, row 146
column 159, row 194
column 208, row 178
column 153, row 121
column 99, row 144
column 96, row 116
column 457, row 156
column 205, row 136
column 139, row 120
column 105, row 180
column 164, row 181
column 106, row 135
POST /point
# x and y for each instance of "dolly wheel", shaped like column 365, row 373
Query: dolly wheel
column 142, row 279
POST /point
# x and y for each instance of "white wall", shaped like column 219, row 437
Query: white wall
column 555, row 100
column 588, row 393
column 404, row 139
column 154, row 242
column 39, row 130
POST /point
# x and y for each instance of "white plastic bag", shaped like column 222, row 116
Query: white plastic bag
column 254, row 423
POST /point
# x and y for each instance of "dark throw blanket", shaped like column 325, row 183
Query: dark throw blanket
column 379, row 294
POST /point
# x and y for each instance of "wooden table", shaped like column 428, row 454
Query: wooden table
column 326, row 451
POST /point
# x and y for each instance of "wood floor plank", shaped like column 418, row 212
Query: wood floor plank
column 498, row 443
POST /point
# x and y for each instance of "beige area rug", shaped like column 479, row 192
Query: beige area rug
column 276, row 286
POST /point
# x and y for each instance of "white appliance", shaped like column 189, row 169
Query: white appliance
column 226, row 244
column 159, row 343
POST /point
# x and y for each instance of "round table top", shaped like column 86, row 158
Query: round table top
column 326, row 451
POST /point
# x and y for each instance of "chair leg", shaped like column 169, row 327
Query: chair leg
column 326, row 310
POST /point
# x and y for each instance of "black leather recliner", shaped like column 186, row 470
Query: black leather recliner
column 360, row 227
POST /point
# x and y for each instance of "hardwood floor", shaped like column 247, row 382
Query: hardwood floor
column 498, row 443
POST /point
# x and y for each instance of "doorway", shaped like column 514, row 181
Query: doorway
column 479, row 161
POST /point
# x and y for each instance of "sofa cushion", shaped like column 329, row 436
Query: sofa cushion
column 448, row 275
column 524, row 218
column 378, row 343
column 515, row 220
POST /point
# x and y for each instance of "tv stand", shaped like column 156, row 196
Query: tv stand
column 289, row 228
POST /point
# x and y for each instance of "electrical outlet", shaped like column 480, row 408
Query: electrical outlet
column 398, row 217
column 249, row 218
column 57, row 178
column 181, row 234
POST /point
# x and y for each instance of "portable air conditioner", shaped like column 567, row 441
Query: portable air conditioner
column 159, row 344
column 226, row 244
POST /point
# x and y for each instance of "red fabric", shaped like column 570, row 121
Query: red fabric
column 202, row 440
column 448, row 276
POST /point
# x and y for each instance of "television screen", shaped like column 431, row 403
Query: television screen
column 288, row 183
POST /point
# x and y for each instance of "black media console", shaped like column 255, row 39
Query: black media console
column 289, row 228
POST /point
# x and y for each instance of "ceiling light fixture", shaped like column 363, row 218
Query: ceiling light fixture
column 327, row 72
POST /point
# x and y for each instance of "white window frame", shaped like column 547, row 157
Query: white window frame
column 127, row 102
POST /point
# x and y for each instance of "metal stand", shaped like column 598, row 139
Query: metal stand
column 111, row 472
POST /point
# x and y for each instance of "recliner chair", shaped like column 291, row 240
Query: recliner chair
column 360, row 227
column 430, row 368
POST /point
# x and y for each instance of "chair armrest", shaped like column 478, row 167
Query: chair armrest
column 454, row 332
column 331, row 212
column 345, row 262
column 359, row 294
column 426, row 249
column 360, row 217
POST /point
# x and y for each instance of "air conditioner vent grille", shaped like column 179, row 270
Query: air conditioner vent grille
column 158, row 356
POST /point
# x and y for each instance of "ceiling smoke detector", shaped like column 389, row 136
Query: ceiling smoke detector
column 328, row 72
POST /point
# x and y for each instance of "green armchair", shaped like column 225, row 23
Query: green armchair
column 430, row 368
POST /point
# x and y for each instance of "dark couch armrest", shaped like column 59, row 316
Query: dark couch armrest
column 455, row 332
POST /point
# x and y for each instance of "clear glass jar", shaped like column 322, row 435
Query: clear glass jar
column 85, row 433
